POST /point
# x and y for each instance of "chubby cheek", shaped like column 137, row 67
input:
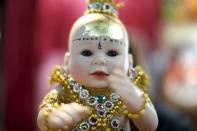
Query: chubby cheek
column 78, row 70
column 121, row 65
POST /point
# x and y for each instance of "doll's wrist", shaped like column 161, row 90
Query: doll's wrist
column 139, row 112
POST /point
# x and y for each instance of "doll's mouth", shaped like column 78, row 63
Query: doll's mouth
column 99, row 74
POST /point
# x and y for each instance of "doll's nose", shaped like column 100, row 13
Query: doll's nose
column 99, row 61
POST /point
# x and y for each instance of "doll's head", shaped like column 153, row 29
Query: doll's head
column 98, row 44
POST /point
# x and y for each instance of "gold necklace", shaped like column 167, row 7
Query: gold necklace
column 104, row 107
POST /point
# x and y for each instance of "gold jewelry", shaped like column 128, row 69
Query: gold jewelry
column 109, row 7
column 139, row 78
column 139, row 113
column 104, row 107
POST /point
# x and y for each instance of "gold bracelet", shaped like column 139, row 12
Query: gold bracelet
column 140, row 112
column 142, row 80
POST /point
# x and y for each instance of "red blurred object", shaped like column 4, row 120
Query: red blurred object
column 34, row 29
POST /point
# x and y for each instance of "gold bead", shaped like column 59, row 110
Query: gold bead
column 116, row 107
column 104, row 120
column 109, row 116
column 74, row 96
column 99, row 119
column 125, row 112
column 112, row 112
column 133, row 116
column 93, row 129
column 108, row 129
column 104, row 124
column 65, row 82
column 94, row 116
column 142, row 112
column 57, row 72
column 56, row 105
column 124, row 107
column 68, row 87
column 130, row 115
column 99, row 124
column 62, row 77
column 120, row 102
column 46, row 114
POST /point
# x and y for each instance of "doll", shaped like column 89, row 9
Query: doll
column 98, row 88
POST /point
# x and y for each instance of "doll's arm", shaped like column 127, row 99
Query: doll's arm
column 137, row 104
column 55, row 113
column 146, row 116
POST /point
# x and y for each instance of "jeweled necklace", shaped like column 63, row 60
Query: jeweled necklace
column 105, row 108
column 106, row 105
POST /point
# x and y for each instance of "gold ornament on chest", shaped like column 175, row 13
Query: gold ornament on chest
column 106, row 105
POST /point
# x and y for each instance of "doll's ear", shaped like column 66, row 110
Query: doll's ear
column 130, row 57
column 66, row 58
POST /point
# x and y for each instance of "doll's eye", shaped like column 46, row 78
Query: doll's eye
column 86, row 53
column 112, row 53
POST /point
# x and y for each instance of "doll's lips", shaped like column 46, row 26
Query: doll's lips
column 99, row 74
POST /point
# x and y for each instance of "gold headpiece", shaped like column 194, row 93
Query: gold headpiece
column 109, row 7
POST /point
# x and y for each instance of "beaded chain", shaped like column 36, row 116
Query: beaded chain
column 105, row 106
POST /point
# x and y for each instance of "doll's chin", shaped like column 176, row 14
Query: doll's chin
column 98, row 85
column 101, row 87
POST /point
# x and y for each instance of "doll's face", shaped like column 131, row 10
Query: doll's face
column 94, row 56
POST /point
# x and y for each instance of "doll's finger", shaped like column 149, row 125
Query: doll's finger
column 83, row 111
column 66, row 118
column 76, row 111
column 115, row 80
column 55, row 122
column 77, row 107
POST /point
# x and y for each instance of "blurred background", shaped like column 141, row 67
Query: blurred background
column 33, row 39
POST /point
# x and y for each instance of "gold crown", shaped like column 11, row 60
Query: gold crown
column 109, row 7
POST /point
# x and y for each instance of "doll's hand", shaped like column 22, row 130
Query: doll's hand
column 67, row 116
column 120, row 83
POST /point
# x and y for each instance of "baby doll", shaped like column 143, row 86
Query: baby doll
column 98, row 89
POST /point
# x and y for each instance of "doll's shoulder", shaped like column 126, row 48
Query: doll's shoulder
column 58, row 76
column 61, row 79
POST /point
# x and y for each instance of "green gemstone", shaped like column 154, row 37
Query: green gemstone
column 101, row 99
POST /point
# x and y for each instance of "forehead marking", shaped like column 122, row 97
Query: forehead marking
column 99, row 44
column 101, row 38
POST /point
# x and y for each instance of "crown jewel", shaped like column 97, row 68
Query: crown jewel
column 109, row 7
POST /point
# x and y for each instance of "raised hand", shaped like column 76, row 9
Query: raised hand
column 130, row 94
